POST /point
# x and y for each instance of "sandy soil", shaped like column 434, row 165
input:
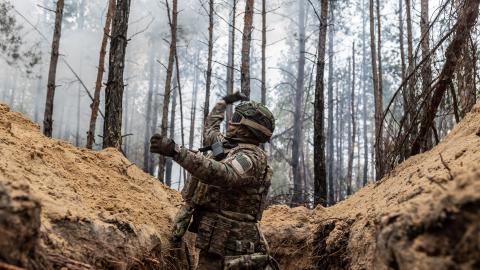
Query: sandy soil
column 62, row 207
column 424, row 215
column 97, row 207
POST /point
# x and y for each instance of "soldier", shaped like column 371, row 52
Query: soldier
column 228, row 187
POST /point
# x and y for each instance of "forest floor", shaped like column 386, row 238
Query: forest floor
column 62, row 206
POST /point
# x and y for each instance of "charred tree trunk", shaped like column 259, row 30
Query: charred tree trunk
column 246, row 39
column 466, row 20
column 297, row 143
column 320, row 174
column 52, row 72
column 101, row 70
column 352, row 105
column 168, row 83
column 206, row 106
column 112, row 128
column 331, row 199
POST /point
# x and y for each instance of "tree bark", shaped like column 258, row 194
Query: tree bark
column 246, row 39
column 320, row 174
column 410, row 104
column 352, row 105
column 364, row 96
column 193, row 108
column 148, row 106
column 52, row 72
column 264, row 47
column 169, row 162
column 168, row 83
column 377, row 99
column 231, row 57
column 206, row 106
column 112, row 128
column 297, row 143
column 331, row 199
column 101, row 70
column 466, row 21
column 426, row 70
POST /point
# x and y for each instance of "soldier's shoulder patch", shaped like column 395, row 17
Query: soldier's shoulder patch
column 242, row 163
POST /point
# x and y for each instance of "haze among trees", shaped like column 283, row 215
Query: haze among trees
column 356, row 86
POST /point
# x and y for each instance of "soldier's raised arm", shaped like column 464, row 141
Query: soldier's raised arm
column 211, row 131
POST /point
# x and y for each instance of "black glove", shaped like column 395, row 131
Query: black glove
column 163, row 145
column 236, row 96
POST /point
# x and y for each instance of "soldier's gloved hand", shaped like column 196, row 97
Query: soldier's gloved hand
column 236, row 96
column 163, row 145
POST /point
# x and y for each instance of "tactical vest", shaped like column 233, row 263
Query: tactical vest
column 244, row 204
column 225, row 218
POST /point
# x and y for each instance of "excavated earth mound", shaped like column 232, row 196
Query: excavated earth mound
column 61, row 206
column 424, row 215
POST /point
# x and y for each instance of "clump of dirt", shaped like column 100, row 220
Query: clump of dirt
column 424, row 215
column 98, row 210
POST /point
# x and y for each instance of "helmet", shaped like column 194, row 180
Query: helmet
column 257, row 118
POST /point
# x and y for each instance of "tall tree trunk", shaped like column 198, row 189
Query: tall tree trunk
column 169, row 162
column 112, row 127
column 246, row 39
column 193, row 108
column 364, row 95
column 168, row 83
column 426, row 70
column 231, row 57
column 264, row 46
column 410, row 124
column 206, row 106
column 403, row 68
column 77, row 130
column 156, row 102
column 52, row 71
column 330, row 116
column 352, row 104
column 297, row 144
column 377, row 99
column 320, row 174
column 148, row 106
column 466, row 20
column 101, row 70
column 179, row 85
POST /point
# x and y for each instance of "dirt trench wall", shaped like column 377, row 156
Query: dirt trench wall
column 62, row 206
column 424, row 215
column 66, row 207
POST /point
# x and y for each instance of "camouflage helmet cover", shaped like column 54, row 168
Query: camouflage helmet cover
column 257, row 118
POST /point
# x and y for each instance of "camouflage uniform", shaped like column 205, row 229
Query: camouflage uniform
column 226, row 198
